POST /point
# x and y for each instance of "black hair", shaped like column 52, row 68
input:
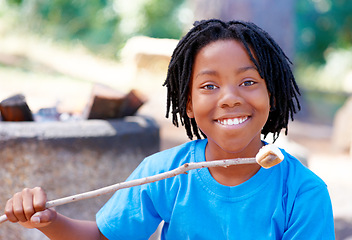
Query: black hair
column 271, row 62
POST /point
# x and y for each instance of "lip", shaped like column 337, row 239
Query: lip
column 232, row 121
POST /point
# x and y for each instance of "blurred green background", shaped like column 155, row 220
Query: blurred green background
column 322, row 52
column 103, row 26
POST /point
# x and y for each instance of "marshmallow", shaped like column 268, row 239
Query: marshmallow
column 269, row 155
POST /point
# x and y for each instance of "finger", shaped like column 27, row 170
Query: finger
column 28, row 208
column 9, row 211
column 39, row 199
column 17, row 206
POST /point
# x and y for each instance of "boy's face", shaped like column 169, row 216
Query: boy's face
column 228, row 99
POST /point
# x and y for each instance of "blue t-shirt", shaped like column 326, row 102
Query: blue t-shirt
column 287, row 201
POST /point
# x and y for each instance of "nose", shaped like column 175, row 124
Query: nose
column 230, row 97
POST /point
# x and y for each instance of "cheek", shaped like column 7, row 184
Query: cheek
column 265, row 106
column 261, row 101
column 198, row 108
column 265, row 100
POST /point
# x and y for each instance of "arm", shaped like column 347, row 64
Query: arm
column 28, row 208
column 66, row 228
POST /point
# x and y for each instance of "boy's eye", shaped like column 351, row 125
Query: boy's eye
column 248, row 83
column 209, row 87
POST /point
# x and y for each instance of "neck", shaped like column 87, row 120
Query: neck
column 236, row 174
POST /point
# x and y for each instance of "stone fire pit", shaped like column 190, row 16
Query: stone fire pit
column 66, row 158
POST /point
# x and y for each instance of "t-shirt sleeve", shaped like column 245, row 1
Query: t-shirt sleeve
column 130, row 213
column 311, row 216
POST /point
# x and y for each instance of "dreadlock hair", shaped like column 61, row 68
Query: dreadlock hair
column 271, row 62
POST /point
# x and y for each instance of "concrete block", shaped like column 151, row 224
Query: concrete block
column 67, row 158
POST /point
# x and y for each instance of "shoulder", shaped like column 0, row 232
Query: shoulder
column 299, row 176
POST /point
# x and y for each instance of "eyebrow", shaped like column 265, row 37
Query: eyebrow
column 206, row 72
column 247, row 68
column 238, row 71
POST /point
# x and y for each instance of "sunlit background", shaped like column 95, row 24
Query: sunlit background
column 53, row 52
column 66, row 42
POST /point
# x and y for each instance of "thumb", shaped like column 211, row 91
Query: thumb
column 43, row 218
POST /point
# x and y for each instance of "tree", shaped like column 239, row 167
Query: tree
column 102, row 26
column 322, row 25
column 274, row 16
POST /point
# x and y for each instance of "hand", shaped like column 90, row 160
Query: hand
column 28, row 208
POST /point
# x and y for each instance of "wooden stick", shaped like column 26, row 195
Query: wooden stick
column 177, row 171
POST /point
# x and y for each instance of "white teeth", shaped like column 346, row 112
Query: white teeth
column 234, row 121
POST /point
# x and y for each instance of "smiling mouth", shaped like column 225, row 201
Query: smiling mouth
column 232, row 121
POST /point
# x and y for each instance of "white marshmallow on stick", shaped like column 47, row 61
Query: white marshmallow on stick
column 268, row 156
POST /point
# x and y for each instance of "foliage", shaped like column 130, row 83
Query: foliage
column 153, row 18
column 321, row 25
column 334, row 76
column 103, row 25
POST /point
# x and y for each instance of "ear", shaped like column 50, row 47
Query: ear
column 189, row 108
